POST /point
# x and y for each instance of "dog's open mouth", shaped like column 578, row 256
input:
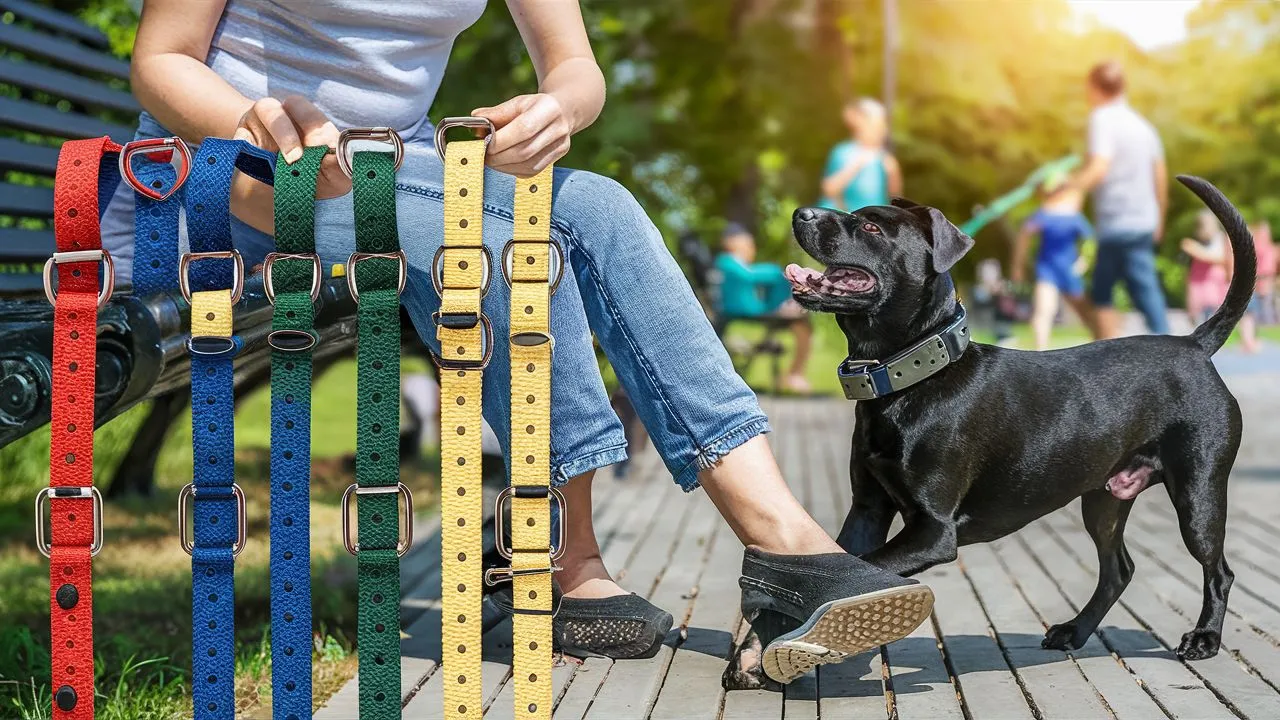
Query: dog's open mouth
column 835, row 282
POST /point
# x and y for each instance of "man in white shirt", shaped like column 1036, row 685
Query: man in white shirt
column 1127, row 174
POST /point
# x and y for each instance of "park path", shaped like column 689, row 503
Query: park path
column 978, row 659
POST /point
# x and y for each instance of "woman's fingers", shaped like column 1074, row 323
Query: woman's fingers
column 502, row 115
column 315, row 126
column 271, row 115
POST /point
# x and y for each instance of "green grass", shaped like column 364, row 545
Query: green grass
column 142, row 579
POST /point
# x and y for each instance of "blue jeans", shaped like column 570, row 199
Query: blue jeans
column 1130, row 256
column 628, row 291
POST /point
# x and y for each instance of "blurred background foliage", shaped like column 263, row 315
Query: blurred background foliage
column 726, row 110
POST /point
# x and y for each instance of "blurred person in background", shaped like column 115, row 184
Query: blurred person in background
column 1262, row 307
column 861, row 171
column 1210, row 271
column 1130, row 183
column 753, row 291
column 1061, row 226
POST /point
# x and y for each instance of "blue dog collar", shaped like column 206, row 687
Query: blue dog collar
column 219, row 504
column 871, row 379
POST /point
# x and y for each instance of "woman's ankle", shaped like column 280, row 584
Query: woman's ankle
column 586, row 577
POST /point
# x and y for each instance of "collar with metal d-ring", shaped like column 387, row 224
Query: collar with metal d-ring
column 533, row 266
column 376, row 274
column 871, row 379
column 157, row 186
column 86, row 178
column 211, row 278
column 291, row 279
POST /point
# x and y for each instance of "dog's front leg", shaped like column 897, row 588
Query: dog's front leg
column 867, row 525
column 925, row 541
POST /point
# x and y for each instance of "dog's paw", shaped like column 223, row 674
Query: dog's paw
column 1064, row 636
column 1199, row 645
column 745, row 671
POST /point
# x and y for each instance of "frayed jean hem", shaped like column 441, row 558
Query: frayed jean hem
column 709, row 455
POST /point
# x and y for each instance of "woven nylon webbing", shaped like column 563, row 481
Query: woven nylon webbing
column 86, row 178
column 463, row 268
column 377, row 436
column 293, row 270
column 531, row 345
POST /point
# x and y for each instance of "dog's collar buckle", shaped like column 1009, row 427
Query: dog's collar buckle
column 871, row 379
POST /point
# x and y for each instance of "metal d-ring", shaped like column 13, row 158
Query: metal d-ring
column 374, row 134
column 449, row 123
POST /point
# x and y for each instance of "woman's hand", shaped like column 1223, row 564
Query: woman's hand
column 533, row 132
column 286, row 127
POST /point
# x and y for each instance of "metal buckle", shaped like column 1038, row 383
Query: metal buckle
column 500, row 536
column 108, row 274
column 486, row 345
column 43, row 543
column 179, row 151
column 211, row 346
column 187, row 495
column 237, row 275
column 449, row 123
column 437, row 268
column 403, row 545
column 499, row 575
column 359, row 257
column 271, row 259
column 508, row 259
column 376, row 134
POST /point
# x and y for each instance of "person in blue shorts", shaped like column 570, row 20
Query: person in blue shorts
column 1061, row 227
column 861, row 171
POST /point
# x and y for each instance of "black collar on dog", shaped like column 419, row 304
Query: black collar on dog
column 870, row 379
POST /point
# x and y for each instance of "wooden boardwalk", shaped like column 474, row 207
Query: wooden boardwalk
column 979, row 658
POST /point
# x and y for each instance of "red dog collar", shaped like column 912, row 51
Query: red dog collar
column 75, row 506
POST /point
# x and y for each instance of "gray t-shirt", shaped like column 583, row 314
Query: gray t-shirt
column 1125, row 201
column 363, row 63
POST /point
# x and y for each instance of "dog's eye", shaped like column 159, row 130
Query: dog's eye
column 871, row 228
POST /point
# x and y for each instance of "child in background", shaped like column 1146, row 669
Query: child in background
column 1262, row 302
column 1059, row 267
column 861, row 171
column 1210, row 275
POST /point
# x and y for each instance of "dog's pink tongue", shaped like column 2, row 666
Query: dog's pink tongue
column 1126, row 484
column 802, row 276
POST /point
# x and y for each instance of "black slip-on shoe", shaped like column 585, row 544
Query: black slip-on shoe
column 811, row 610
column 622, row 627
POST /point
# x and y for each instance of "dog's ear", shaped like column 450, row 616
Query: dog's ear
column 905, row 204
column 949, row 243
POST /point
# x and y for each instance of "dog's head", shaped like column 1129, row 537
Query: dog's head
column 886, row 275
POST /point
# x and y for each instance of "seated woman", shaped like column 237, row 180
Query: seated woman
column 289, row 73
column 755, row 291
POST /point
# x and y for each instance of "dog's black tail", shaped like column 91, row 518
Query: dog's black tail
column 1214, row 332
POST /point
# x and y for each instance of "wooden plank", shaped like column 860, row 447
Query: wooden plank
column 57, row 21
column 61, row 51
column 1054, row 683
column 68, row 85
column 26, row 245
column 345, row 704
column 1227, row 679
column 921, row 684
column 27, row 115
column 632, row 687
column 1176, row 689
column 1118, row 687
column 26, row 200
column 987, row 682
column 581, row 691
column 25, row 157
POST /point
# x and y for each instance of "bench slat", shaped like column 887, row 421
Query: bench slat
column 26, row 201
column 62, row 51
column 56, row 20
column 61, row 83
column 25, row 157
column 47, row 120
column 33, row 246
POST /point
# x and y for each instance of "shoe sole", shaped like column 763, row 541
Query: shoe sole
column 843, row 628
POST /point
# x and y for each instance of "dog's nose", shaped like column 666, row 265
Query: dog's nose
column 806, row 215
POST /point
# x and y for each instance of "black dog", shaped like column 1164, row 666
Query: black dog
column 998, row 438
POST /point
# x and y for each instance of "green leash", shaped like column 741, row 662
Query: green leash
column 376, row 276
column 1002, row 205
